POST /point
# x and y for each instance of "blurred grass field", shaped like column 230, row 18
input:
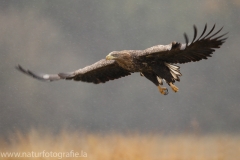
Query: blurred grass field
column 130, row 146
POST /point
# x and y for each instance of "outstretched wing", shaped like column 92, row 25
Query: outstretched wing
column 198, row 49
column 99, row 72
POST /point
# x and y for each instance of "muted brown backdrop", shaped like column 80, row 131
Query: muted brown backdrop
column 55, row 36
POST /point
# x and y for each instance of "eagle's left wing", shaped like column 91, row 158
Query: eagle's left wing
column 39, row 76
column 197, row 50
column 99, row 72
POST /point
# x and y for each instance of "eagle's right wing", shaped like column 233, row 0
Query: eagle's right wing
column 99, row 72
column 200, row 48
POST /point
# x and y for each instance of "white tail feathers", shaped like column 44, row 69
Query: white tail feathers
column 174, row 70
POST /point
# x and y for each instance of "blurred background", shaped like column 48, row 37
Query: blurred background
column 52, row 36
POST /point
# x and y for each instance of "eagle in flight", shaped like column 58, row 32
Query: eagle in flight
column 156, row 63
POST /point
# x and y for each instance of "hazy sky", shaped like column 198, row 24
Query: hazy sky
column 59, row 36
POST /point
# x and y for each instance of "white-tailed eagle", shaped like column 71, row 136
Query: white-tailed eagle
column 156, row 63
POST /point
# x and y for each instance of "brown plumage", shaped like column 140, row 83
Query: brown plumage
column 155, row 63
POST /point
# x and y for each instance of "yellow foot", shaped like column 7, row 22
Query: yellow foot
column 163, row 90
column 174, row 88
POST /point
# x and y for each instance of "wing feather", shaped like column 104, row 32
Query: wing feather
column 195, row 33
column 42, row 77
column 199, row 49
column 99, row 72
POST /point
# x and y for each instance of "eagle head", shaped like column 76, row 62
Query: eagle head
column 114, row 55
column 123, row 58
column 118, row 55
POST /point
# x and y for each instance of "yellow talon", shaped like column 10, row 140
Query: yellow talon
column 163, row 90
column 174, row 88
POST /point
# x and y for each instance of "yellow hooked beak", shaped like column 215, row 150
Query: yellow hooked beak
column 109, row 57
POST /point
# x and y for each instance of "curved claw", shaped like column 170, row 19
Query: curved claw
column 163, row 90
